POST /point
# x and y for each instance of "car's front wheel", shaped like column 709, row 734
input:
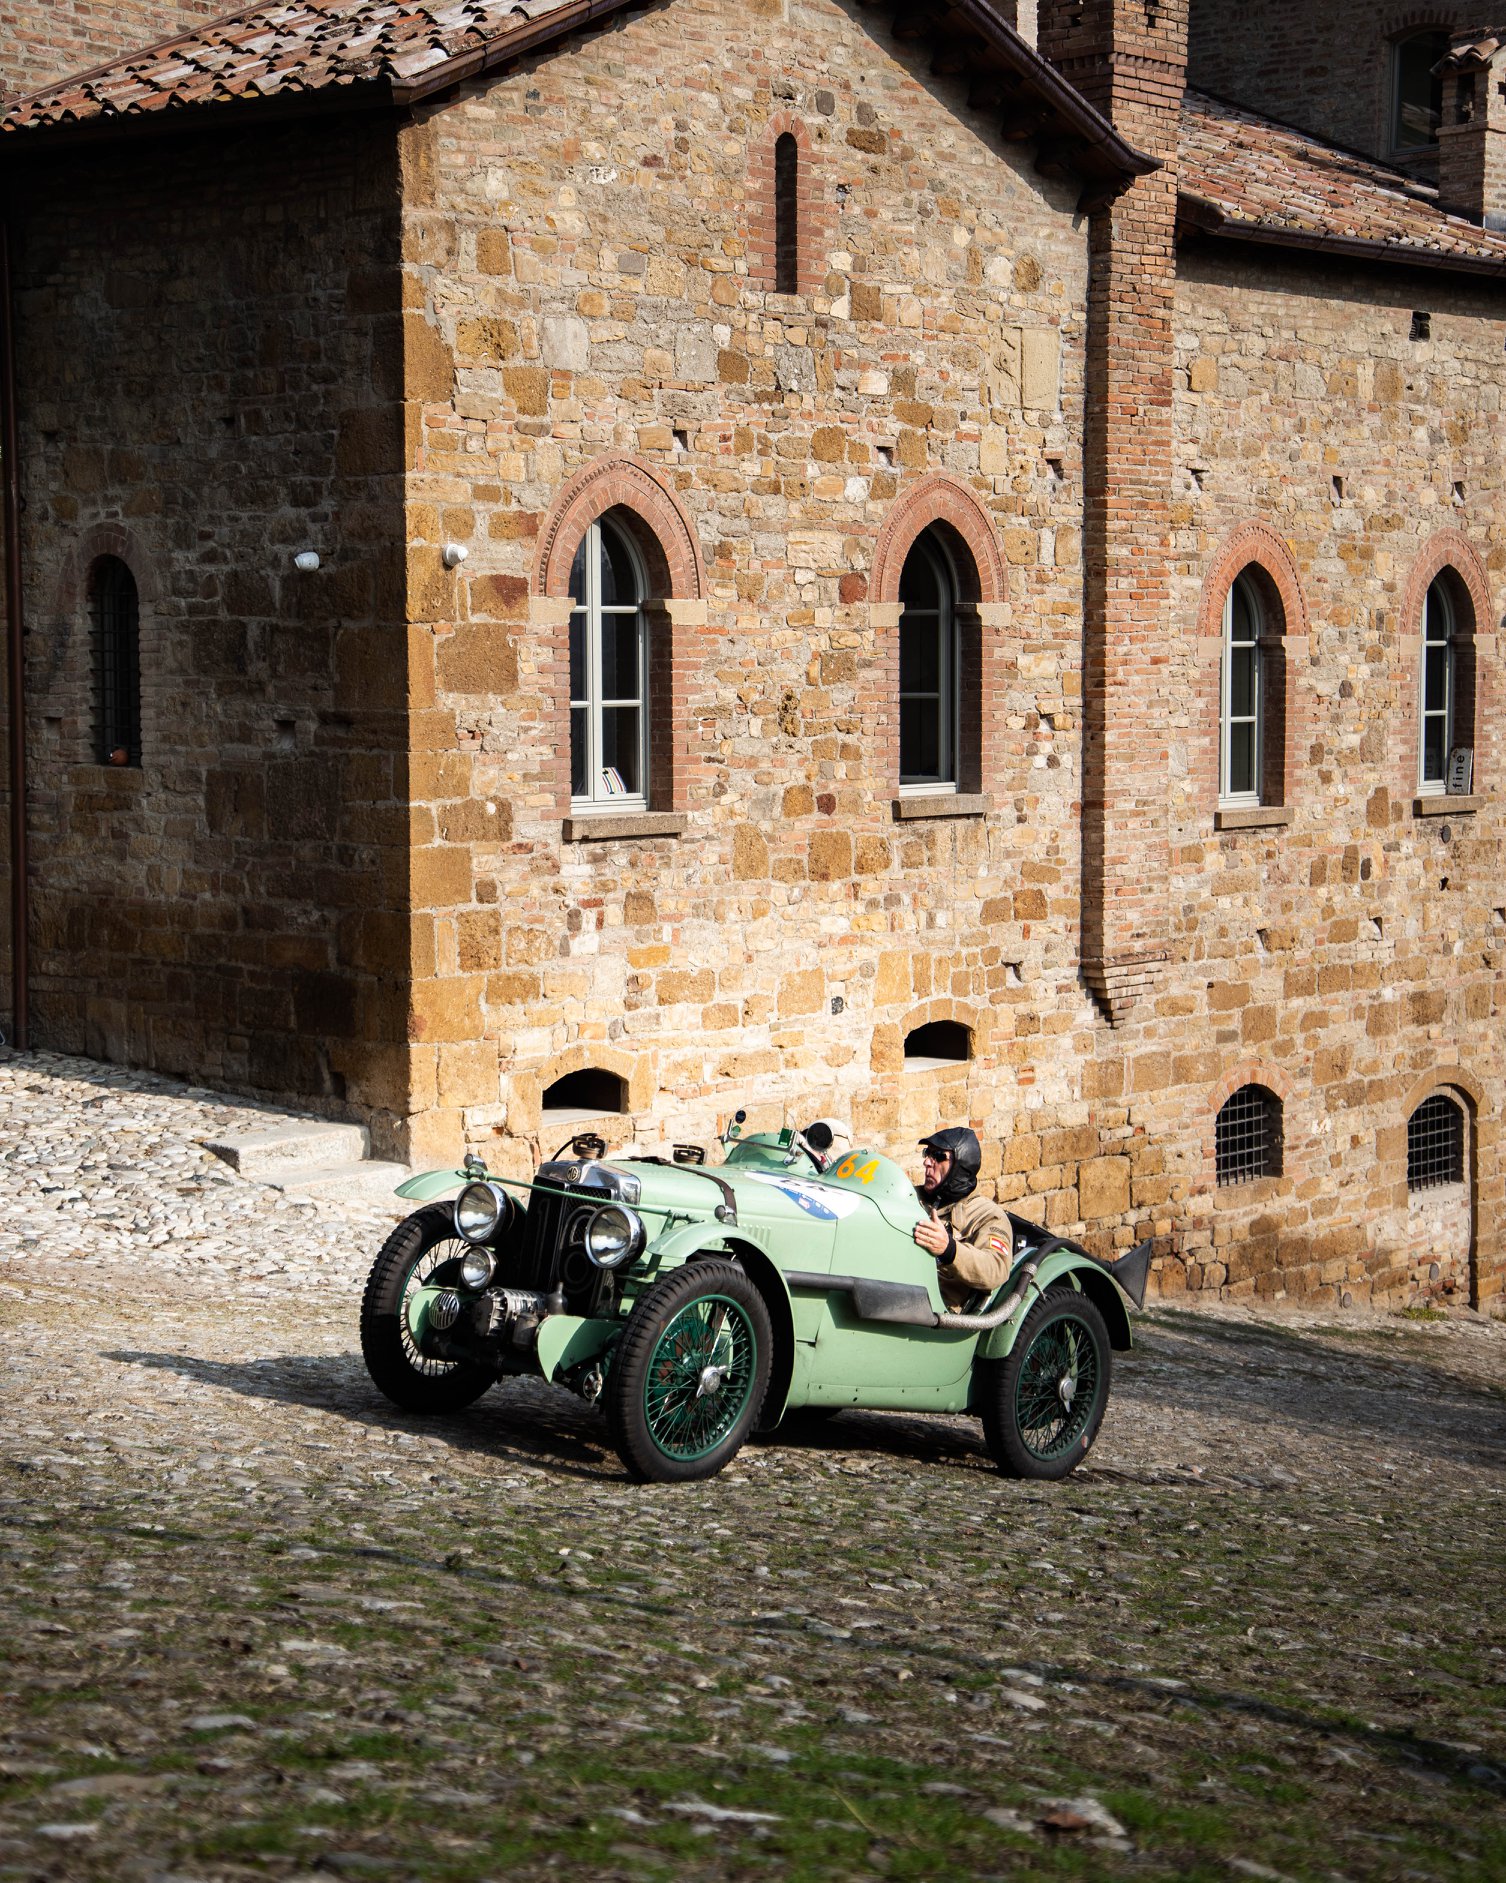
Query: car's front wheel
column 689, row 1374
column 421, row 1250
column 1043, row 1403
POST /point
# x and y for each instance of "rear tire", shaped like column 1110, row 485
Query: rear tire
column 690, row 1373
column 420, row 1246
column 1043, row 1403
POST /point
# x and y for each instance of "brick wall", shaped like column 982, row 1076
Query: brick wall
column 603, row 305
column 209, row 365
column 1326, row 68
column 45, row 40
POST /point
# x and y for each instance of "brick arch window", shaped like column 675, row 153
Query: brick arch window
column 620, row 564
column 790, row 225
column 931, row 693
column 1252, row 620
column 1416, row 90
column 938, row 1043
column 115, row 622
column 1247, row 1136
column 1446, row 607
column 1436, row 1134
column 589, row 1092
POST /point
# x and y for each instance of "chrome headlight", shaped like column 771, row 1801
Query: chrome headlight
column 614, row 1235
column 476, row 1267
column 478, row 1209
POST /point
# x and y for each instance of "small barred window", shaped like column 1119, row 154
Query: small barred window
column 115, row 616
column 1435, row 1144
column 1247, row 1136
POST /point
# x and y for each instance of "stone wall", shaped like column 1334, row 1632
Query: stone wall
column 42, row 41
column 1326, row 68
column 209, row 364
column 587, row 325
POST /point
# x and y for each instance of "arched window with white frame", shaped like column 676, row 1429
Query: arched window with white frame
column 1416, row 91
column 929, row 670
column 1438, row 708
column 1243, row 705
column 608, row 672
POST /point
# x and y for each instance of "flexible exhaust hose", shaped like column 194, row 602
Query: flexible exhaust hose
column 996, row 1317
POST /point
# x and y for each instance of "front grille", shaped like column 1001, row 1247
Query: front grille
column 550, row 1247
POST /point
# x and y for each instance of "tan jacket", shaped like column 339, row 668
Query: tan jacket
column 985, row 1249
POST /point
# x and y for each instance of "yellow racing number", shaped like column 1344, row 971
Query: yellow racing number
column 847, row 1166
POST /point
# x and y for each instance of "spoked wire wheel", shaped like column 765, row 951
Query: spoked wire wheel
column 690, row 1373
column 1043, row 1404
column 420, row 1249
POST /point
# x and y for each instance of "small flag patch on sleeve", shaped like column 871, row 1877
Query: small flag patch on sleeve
column 998, row 1242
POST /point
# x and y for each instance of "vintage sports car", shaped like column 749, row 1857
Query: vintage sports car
column 701, row 1303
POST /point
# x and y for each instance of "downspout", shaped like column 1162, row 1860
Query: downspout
column 15, row 690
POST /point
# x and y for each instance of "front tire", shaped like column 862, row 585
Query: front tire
column 412, row 1256
column 690, row 1374
column 1043, row 1403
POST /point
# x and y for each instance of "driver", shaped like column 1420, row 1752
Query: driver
column 971, row 1238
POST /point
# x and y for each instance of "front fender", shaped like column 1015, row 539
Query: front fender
column 1087, row 1277
column 429, row 1184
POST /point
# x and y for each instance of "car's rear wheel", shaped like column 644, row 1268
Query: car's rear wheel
column 418, row 1252
column 1043, row 1403
column 689, row 1374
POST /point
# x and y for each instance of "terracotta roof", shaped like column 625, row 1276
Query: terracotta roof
column 1246, row 177
column 322, row 51
column 292, row 48
column 1472, row 50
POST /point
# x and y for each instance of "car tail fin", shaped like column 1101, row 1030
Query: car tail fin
column 1132, row 1271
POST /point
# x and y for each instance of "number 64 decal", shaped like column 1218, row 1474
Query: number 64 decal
column 849, row 1168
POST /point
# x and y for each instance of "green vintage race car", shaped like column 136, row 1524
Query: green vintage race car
column 700, row 1303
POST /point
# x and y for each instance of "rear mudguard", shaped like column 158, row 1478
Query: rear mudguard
column 1077, row 1270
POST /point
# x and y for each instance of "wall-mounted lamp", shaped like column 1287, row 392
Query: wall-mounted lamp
column 453, row 554
column 306, row 561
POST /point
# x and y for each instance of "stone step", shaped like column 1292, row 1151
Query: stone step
column 368, row 1181
column 308, row 1144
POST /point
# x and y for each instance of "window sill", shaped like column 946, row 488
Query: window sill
column 1440, row 804
column 1252, row 817
column 943, row 804
column 112, row 777
column 1252, row 1193
column 601, row 827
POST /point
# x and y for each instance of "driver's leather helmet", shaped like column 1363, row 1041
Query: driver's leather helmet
column 961, row 1143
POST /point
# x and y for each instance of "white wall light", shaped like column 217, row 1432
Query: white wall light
column 306, row 561
column 453, row 554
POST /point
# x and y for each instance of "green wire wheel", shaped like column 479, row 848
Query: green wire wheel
column 689, row 1374
column 1043, row 1403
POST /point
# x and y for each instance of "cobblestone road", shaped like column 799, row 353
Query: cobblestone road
column 261, row 1625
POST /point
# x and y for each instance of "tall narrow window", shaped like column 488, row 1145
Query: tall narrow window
column 115, row 616
column 1439, row 688
column 1243, row 707
column 608, row 689
column 928, row 670
column 1417, row 94
column 787, row 214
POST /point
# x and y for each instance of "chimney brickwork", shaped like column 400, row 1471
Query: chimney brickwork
column 1472, row 134
column 1129, row 58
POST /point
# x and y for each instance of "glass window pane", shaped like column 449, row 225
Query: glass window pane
column 1242, row 665
column 1434, row 739
column 620, row 746
column 1419, row 96
column 1435, row 679
column 919, row 739
column 1244, row 616
column 1437, row 615
column 578, row 656
column 1241, row 758
column 917, row 582
column 579, row 756
column 619, row 657
column 919, row 654
column 619, row 585
column 578, row 573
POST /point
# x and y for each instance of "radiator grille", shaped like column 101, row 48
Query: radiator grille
column 551, row 1249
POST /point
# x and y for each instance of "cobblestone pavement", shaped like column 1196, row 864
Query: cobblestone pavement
column 262, row 1625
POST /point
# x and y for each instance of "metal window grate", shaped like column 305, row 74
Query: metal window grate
column 117, row 663
column 1247, row 1136
column 1435, row 1144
